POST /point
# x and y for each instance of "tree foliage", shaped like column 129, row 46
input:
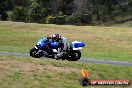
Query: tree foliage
column 19, row 14
column 37, row 13
column 74, row 11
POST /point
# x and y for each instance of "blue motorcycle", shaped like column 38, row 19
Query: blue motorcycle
column 45, row 48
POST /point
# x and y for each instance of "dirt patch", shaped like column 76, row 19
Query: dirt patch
column 12, row 66
column 28, row 68
column 61, row 69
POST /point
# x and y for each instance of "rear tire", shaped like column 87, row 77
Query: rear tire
column 76, row 55
column 33, row 52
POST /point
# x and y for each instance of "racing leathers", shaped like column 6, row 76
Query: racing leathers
column 63, row 46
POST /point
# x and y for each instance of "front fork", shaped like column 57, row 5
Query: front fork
column 39, row 51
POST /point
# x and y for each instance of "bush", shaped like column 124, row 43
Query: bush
column 86, row 19
column 19, row 14
column 44, row 13
column 35, row 13
column 50, row 20
column 60, row 18
column 79, row 19
column 74, row 19
column 3, row 15
column 10, row 15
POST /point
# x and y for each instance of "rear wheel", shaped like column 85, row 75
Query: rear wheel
column 76, row 55
column 33, row 53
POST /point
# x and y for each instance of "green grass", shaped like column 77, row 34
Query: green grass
column 27, row 72
column 108, row 43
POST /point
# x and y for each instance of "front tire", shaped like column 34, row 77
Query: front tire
column 33, row 52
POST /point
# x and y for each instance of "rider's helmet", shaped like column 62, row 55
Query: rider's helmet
column 55, row 37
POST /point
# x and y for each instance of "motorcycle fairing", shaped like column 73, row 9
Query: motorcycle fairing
column 76, row 45
column 44, row 41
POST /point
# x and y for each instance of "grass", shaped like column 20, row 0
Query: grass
column 107, row 43
column 27, row 72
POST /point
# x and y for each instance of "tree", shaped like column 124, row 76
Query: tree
column 60, row 18
column 21, row 3
column 3, row 14
column 19, row 14
column 37, row 13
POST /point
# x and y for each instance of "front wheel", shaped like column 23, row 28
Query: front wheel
column 33, row 53
column 76, row 55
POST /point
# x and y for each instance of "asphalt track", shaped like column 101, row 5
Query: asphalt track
column 83, row 60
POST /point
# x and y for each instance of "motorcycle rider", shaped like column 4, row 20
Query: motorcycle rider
column 62, row 42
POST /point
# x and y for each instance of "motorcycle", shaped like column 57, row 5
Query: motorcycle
column 46, row 48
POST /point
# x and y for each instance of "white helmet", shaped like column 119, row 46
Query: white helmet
column 55, row 36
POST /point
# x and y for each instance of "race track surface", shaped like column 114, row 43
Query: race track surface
column 82, row 60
